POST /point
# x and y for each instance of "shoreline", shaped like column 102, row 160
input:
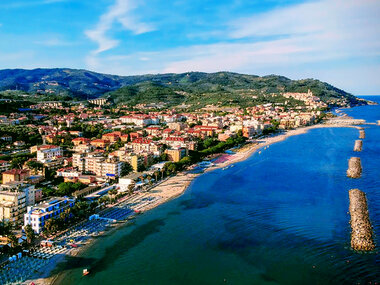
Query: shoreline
column 172, row 188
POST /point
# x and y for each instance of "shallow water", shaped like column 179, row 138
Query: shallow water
column 280, row 217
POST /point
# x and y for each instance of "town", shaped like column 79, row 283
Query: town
column 70, row 168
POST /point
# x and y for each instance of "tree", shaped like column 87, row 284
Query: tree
column 67, row 188
column 29, row 232
column 112, row 193
column 13, row 240
column 18, row 161
column 32, row 164
column 131, row 188
column 156, row 173
column 5, row 228
column 126, row 169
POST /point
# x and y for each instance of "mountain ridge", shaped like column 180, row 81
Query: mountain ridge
column 235, row 87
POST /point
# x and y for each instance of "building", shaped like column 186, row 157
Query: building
column 100, row 143
column 15, row 175
column 48, row 152
column 176, row 154
column 37, row 215
column 12, row 206
column 28, row 189
column 124, row 184
column 80, row 140
column 97, row 164
column 68, row 172
column 136, row 161
column 4, row 165
column 99, row 101
column 140, row 120
column 112, row 137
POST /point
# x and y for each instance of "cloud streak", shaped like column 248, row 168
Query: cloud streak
column 119, row 12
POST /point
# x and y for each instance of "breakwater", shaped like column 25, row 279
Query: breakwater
column 361, row 234
column 358, row 145
column 354, row 167
column 361, row 134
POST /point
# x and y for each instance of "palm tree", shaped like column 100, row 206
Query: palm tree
column 156, row 175
column 131, row 187
column 13, row 240
column 30, row 235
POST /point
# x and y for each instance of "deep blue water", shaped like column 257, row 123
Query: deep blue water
column 280, row 217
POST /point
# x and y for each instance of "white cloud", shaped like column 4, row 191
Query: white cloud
column 303, row 40
column 297, row 39
column 119, row 12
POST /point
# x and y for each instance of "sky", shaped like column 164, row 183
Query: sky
column 337, row 41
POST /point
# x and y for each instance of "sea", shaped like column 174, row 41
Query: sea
column 279, row 217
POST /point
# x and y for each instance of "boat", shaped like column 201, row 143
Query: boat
column 85, row 272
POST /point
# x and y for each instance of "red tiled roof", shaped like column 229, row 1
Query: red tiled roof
column 16, row 171
column 142, row 141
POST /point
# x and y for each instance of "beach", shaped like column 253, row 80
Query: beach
column 175, row 186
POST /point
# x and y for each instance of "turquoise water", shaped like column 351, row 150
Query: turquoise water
column 280, row 217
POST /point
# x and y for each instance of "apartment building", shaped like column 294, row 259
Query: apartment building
column 37, row 215
column 12, row 206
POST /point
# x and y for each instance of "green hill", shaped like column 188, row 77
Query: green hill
column 222, row 88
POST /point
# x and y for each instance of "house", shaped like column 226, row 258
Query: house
column 112, row 137
column 100, row 143
column 80, row 140
column 15, row 175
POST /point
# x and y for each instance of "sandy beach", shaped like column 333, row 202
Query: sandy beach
column 176, row 185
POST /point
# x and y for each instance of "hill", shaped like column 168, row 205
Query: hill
column 220, row 88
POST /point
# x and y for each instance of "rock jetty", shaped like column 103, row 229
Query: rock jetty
column 354, row 167
column 361, row 234
column 358, row 145
column 361, row 134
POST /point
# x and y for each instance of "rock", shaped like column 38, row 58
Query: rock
column 362, row 233
column 354, row 167
column 358, row 145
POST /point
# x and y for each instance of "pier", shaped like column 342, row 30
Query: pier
column 361, row 234
column 358, row 145
column 354, row 167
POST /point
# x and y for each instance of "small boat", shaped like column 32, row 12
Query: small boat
column 260, row 152
column 85, row 272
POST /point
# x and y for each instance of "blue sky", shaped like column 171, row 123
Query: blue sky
column 337, row 41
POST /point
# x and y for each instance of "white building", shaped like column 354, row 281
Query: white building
column 97, row 164
column 124, row 184
column 48, row 152
column 37, row 215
